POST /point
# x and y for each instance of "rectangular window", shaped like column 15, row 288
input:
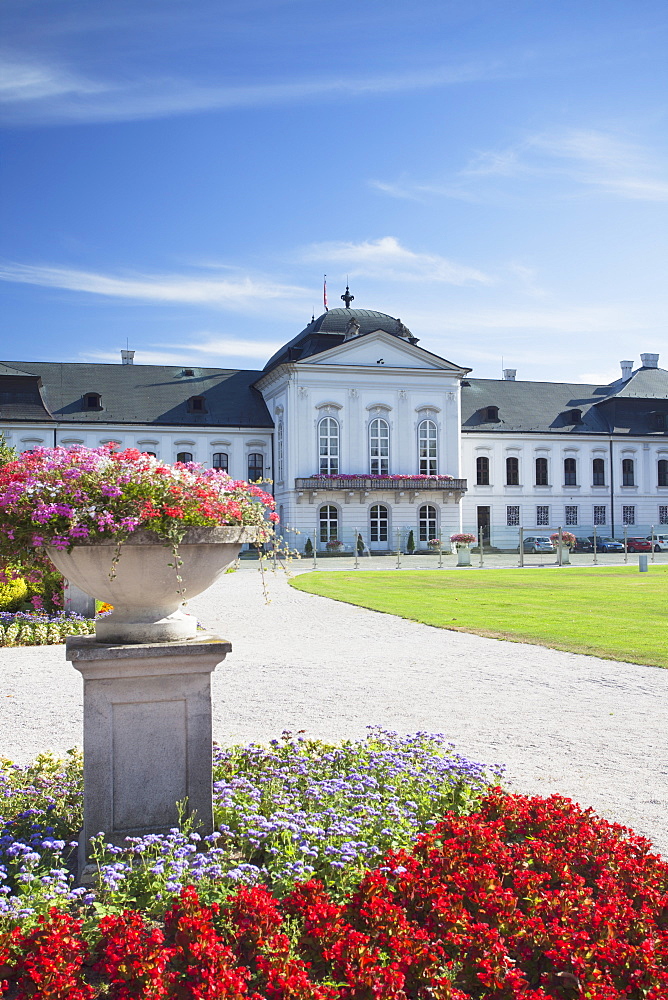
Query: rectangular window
column 663, row 514
column 542, row 516
column 571, row 514
column 628, row 514
column 599, row 514
column 513, row 515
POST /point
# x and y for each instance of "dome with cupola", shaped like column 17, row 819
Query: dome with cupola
column 334, row 327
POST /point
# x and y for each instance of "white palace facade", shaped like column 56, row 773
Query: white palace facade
column 363, row 432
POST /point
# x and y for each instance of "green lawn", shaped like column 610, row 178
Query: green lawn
column 615, row 612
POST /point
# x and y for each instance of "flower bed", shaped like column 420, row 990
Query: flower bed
column 286, row 812
column 24, row 628
column 528, row 899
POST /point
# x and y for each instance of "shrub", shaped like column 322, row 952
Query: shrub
column 410, row 544
column 13, row 594
column 308, row 548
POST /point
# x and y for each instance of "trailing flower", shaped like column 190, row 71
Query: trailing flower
column 60, row 496
column 334, row 544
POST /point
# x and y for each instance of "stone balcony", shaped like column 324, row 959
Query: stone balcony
column 358, row 488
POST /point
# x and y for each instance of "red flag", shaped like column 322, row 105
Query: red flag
column 324, row 293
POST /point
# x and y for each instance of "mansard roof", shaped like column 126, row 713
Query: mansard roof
column 623, row 407
column 144, row 394
column 329, row 330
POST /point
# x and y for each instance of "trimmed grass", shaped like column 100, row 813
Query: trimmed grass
column 617, row 612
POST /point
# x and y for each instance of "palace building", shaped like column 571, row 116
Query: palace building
column 367, row 434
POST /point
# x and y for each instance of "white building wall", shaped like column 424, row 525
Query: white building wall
column 645, row 497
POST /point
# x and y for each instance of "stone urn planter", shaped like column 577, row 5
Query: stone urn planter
column 143, row 585
column 463, row 554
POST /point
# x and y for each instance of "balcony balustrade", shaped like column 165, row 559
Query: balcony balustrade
column 365, row 484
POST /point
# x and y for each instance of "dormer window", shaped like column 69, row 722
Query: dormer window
column 575, row 416
column 658, row 421
column 188, row 371
column 197, row 404
column 490, row 414
column 92, row 401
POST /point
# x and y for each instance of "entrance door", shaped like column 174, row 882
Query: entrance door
column 379, row 527
column 483, row 522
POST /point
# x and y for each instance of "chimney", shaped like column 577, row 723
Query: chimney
column 509, row 374
column 650, row 360
column 627, row 368
column 127, row 357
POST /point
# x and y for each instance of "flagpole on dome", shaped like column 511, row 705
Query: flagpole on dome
column 324, row 293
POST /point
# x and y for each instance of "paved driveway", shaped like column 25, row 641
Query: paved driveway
column 591, row 729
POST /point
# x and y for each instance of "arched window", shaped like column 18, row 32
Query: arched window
column 221, row 460
column 570, row 472
column 184, row 456
column 512, row 471
column 427, row 440
column 329, row 523
column 427, row 522
column 541, row 472
column 598, row 472
column 279, row 451
column 482, row 470
column 328, row 446
column 379, row 447
column 628, row 476
column 255, row 467
column 662, row 472
column 379, row 523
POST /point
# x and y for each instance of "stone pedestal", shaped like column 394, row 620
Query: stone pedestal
column 147, row 734
column 75, row 600
column 463, row 555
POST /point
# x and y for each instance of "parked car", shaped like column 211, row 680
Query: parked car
column 538, row 543
column 606, row 544
column 583, row 545
column 660, row 543
column 638, row 545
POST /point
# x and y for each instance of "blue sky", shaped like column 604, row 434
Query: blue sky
column 181, row 173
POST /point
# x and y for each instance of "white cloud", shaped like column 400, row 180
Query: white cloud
column 212, row 351
column 24, row 82
column 237, row 293
column 40, row 92
column 386, row 258
column 602, row 160
column 586, row 157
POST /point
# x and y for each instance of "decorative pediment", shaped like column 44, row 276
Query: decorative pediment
column 382, row 350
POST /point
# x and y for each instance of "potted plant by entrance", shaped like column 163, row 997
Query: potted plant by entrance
column 462, row 542
column 334, row 545
column 567, row 544
column 434, row 544
column 130, row 530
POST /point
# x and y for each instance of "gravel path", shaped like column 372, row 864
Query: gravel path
column 592, row 729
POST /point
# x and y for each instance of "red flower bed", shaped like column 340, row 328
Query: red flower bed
column 528, row 899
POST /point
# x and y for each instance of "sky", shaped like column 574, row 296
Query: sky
column 178, row 175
